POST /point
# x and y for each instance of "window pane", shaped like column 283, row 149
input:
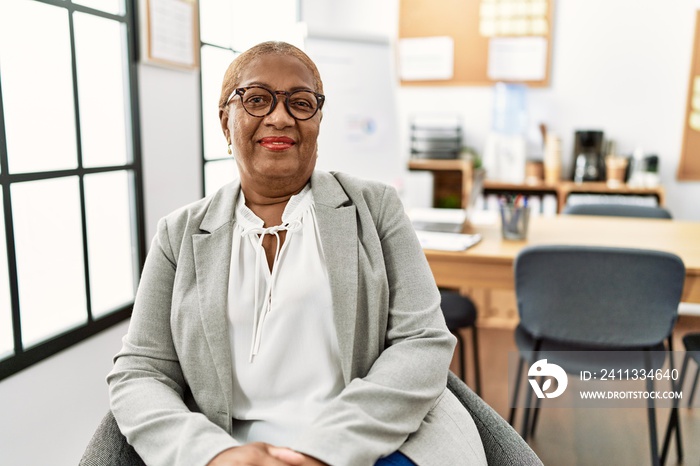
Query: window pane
column 109, row 6
column 6, row 339
column 110, row 247
column 215, row 61
column 49, row 248
column 215, row 18
column 99, row 53
column 37, row 87
column 217, row 174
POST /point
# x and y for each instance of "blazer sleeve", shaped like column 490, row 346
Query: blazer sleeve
column 374, row 415
column 146, row 384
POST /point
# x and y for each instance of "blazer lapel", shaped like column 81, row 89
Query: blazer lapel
column 338, row 229
column 212, row 257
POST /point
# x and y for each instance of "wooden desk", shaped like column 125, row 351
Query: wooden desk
column 485, row 271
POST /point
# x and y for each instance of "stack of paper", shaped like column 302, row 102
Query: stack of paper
column 446, row 241
column 442, row 220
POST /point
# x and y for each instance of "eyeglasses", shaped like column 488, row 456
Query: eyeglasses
column 260, row 101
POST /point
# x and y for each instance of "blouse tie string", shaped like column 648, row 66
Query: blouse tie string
column 260, row 313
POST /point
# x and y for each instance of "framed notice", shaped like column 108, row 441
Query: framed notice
column 171, row 36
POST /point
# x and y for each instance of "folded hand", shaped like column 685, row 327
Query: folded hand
column 262, row 454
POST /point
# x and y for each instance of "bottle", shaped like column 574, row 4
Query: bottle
column 637, row 172
column 506, row 145
column 552, row 159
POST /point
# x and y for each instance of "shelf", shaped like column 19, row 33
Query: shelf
column 439, row 164
column 538, row 188
column 453, row 179
column 600, row 187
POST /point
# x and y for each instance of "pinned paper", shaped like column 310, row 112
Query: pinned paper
column 695, row 121
column 517, row 59
column 513, row 18
column 426, row 58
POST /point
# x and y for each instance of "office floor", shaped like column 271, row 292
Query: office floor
column 582, row 437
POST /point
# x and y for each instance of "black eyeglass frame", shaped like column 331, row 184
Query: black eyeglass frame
column 320, row 100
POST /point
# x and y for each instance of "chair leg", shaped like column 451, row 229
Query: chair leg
column 477, row 370
column 536, row 413
column 695, row 385
column 651, row 414
column 524, row 431
column 674, row 421
column 460, row 355
column 674, row 411
column 518, row 377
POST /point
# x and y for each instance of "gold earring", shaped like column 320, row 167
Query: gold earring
column 229, row 149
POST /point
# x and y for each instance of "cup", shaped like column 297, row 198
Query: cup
column 514, row 221
column 534, row 172
column 615, row 168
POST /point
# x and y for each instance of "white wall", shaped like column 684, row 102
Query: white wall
column 170, row 140
column 50, row 410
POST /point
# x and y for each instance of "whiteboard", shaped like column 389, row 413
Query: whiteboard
column 359, row 130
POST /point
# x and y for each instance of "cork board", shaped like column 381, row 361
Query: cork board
column 689, row 167
column 473, row 25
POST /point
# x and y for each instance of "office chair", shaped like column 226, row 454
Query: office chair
column 618, row 210
column 460, row 312
column 584, row 298
column 502, row 444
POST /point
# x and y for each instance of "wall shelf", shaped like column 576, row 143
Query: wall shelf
column 453, row 180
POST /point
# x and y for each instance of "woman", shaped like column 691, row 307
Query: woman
column 291, row 318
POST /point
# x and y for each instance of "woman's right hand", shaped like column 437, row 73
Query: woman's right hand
column 258, row 454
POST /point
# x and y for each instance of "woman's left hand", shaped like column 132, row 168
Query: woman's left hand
column 293, row 457
column 310, row 461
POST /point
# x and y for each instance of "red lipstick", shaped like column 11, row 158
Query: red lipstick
column 277, row 143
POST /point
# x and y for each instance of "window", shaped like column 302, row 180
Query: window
column 71, row 241
column 228, row 27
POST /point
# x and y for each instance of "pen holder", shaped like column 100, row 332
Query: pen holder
column 514, row 221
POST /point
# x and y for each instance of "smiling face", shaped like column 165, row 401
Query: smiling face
column 276, row 154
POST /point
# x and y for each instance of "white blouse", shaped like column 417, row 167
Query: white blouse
column 286, row 361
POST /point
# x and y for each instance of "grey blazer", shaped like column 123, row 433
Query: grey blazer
column 171, row 385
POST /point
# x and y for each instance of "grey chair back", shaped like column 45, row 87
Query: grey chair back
column 612, row 297
column 108, row 447
column 618, row 210
column 502, row 444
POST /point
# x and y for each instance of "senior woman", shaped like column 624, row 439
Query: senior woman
column 291, row 318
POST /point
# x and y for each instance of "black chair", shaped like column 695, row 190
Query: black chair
column 617, row 210
column 582, row 298
column 460, row 312
column 691, row 342
column 502, row 444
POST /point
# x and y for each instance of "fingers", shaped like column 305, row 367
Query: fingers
column 257, row 454
column 286, row 455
